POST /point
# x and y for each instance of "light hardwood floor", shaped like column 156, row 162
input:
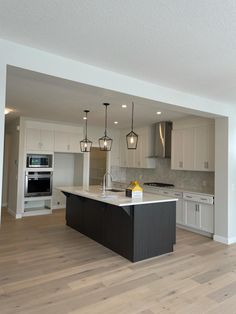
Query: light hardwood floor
column 46, row 267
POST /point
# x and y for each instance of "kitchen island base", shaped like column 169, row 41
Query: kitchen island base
column 136, row 232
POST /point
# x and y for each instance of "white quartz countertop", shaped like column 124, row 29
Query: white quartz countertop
column 115, row 198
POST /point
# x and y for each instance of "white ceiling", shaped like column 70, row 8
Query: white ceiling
column 45, row 97
column 187, row 45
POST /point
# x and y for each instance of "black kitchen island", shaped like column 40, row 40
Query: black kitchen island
column 135, row 229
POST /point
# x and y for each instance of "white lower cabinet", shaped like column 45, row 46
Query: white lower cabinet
column 180, row 219
column 192, row 218
column 199, row 212
column 193, row 211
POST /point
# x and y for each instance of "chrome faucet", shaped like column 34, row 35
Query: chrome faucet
column 105, row 182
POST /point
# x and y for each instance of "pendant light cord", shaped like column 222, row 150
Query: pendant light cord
column 86, row 127
column 132, row 121
column 105, row 133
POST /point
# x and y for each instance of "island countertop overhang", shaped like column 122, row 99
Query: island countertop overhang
column 115, row 198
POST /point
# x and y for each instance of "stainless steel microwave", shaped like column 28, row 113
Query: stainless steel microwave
column 39, row 161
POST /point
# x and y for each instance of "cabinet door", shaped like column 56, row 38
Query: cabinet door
column 180, row 212
column 206, row 217
column 61, row 143
column 188, row 149
column 192, row 214
column 177, row 150
column 74, row 142
column 33, row 139
column 201, row 162
column 47, row 140
column 123, row 150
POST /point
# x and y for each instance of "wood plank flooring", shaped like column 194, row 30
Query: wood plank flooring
column 46, row 267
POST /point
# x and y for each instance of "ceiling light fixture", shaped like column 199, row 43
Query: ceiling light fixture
column 105, row 142
column 124, row 106
column 86, row 144
column 158, row 112
column 132, row 137
column 116, row 122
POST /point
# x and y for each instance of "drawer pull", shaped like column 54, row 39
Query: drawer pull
column 203, row 199
column 189, row 196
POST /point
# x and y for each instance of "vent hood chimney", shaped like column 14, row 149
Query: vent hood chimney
column 162, row 140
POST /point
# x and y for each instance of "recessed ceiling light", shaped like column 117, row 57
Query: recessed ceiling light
column 85, row 118
column 7, row 110
column 158, row 112
column 115, row 122
column 124, row 106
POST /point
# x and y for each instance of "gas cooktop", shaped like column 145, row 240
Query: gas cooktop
column 159, row 184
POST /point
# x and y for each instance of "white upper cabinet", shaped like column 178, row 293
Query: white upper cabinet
column 204, row 148
column 137, row 158
column 39, row 140
column 193, row 145
column 67, row 142
column 46, row 137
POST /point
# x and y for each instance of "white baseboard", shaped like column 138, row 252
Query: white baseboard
column 14, row 214
column 59, row 207
column 224, row 240
column 204, row 233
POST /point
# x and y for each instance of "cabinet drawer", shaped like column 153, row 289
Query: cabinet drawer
column 200, row 198
column 171, row 193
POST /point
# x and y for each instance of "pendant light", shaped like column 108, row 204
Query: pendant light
column 86, row 144
column 105, row 142
column 132, row 137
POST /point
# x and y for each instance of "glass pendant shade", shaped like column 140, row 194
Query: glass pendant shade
column 132, row 137
column 105, row 142
column 132, row 140
column 86, row 144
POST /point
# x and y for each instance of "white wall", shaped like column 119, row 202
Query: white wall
column 13, row 133
column 5, row 170
column 36, row 60
column 2, row 119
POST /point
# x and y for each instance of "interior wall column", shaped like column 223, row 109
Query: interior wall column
column 2, row 122
column 225, row 180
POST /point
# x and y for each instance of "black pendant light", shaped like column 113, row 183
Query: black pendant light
column 86, row 144
column 105, row 142
column 132, row 137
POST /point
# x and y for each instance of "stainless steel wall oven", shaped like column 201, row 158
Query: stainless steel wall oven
column 38, row 183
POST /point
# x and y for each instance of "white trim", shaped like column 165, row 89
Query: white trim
column 204, row 233
column 224, row 240
column 12, row 213
column 62, row 206
column 37, row 212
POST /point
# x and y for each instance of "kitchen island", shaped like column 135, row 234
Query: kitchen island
column 137, row 229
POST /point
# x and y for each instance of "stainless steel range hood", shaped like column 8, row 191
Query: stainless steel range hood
column 162, row 140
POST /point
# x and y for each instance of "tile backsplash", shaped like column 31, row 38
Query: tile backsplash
column 199, row 181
